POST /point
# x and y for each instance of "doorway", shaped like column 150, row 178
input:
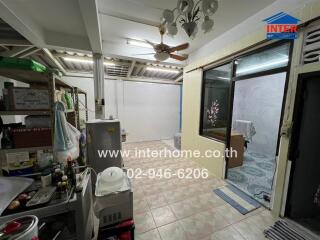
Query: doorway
column 255, row 120
column 259, row 90
column 303, row 204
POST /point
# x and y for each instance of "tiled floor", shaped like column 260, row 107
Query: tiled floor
column 255, row 176
column 185, row 209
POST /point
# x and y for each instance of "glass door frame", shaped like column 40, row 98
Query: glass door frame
column 234, row 79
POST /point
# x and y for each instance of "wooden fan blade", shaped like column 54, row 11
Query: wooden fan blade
column 178, row 57
column 179, row 47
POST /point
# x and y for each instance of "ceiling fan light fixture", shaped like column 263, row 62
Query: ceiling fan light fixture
column 168, row 15
column 189, row 28
column 207, row 24
column 172, row 29
column 161, row 56
column 188, row 14
column 209, row 7
column 185, row 6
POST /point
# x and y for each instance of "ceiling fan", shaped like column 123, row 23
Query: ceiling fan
column 164, row 51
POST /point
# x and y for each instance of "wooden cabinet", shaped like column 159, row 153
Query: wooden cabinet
column 236, row 143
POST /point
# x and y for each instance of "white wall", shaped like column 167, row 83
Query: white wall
column 151, row 110
column 250, row 25
column 147, row 111
column 260, row 100
column 85, row 84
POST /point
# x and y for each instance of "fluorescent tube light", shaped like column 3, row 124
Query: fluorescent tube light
column 78, row 60
column 224, row 78
column 162, row 70
column 109, row 64
column 88, row 61
column 269, row 64
column 138, row 43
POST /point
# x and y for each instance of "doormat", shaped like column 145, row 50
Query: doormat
column 237, row 199
column 284, row 231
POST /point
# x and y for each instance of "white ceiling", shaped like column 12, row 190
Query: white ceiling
column 134, row 19
column 73, row 24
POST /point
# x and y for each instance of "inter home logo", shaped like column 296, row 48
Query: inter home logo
column 282, row 26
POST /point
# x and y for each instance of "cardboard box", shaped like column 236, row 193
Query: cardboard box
column 31, row 137
column 29, row 99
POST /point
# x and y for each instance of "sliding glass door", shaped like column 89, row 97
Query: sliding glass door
column 242, row 104
column 259, row 86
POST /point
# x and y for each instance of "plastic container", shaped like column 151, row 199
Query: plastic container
column 23, row 228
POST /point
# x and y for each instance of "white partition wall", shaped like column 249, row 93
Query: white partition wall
column 150, row 110
column 147, row 111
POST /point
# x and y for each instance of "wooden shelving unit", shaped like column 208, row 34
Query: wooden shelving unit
column 25, row 112
column 52, row 82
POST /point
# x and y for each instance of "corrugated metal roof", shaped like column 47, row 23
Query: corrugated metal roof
column 120, row 69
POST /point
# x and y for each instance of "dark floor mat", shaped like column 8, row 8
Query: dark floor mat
column 281, row 230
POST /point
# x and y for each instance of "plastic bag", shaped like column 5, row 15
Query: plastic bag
column 66, row 137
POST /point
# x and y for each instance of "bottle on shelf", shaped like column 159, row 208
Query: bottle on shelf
column 6, row 141
column 70, row 172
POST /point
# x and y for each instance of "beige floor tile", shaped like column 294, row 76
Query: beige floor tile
column 210, row 200
column 172, row 231
column 228, row 233
column 138, row 193
column 140, row 205
column 255, row 212
column 163, row 215
column 174, row 196
column 144, row 222
column 201, row 213
column 196, row 226
column 216, row 220
column 184, row 209
column 156, row 201
column 249, row 230
column 263, row 220
column 151, row 235
column 230, row 214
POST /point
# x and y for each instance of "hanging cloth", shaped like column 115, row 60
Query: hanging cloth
column 62, row 138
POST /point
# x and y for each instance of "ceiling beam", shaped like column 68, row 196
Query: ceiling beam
column 131, row 19
column 135, row 79
column 179, row 78
column 15, row 51
column 15, row 42
column 63, row 55
column 23, row 24
column 55, row 61
column 29, row 52
column 5, row 47
column 133, row 63
column 90, row 16
column 143, row 70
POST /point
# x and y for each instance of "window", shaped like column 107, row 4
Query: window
column 272, row 58
column 215, row 102
column 216, row 84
